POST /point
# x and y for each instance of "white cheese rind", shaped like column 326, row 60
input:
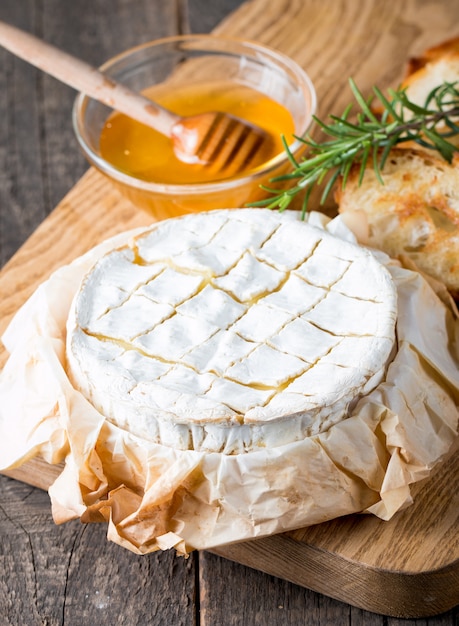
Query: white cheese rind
column 231, row 330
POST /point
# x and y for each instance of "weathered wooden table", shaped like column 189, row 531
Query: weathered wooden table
column 70, row 574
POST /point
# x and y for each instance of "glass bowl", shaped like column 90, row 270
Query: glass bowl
column 176, row 62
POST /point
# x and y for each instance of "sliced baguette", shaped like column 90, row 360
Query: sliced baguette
column 445, row 49
column 438, row 65
column 415, row 212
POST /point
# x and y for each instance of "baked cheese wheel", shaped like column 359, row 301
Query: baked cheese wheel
column 231, row 330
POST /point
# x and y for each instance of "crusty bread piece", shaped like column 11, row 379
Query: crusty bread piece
column 438, row 65
column 442, row 70
column 415, row 213
column 449, row 47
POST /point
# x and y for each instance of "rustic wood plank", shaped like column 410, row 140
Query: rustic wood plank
column 101, row 34
column 370, row 40
column 42, row 564
column 20, row 155
column 69, row 234
column 248, row 599
column 278, row 602
column 39, row 158
column 270, row 601
column 359, row 559
column 70, row 574
column 205, row 16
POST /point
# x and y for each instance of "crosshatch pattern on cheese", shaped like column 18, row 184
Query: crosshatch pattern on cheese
column 231, row 330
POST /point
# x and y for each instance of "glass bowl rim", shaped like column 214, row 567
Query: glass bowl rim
column 119, row 176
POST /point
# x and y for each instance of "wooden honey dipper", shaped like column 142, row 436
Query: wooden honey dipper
column 218, row 140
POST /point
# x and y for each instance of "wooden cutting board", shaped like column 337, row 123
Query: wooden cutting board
column 409, row 566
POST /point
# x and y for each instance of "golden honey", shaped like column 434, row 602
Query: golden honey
column 190, row 75
column 146, row 154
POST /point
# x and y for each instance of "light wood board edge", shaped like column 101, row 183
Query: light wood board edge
column 307, row 557
column 387, row 592
column 36, row 472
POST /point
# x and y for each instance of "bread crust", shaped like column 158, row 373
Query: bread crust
column 414, row 214
column 448, row 48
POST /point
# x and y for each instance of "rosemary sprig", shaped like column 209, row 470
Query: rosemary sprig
column 370, row 137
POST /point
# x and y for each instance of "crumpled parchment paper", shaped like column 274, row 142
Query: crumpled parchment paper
column 154, row 497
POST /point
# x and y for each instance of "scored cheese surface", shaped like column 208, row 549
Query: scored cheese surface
column 231, row 330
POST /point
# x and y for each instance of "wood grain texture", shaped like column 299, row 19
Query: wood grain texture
column 39, row 157
column 69, row 232
column 70, row 574
column 407, row 567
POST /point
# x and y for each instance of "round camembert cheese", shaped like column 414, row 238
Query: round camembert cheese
column 231, row 330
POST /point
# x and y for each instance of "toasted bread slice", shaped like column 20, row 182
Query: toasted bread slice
column 447, row 48
column 438, row 65
column 442, row 70
column 414, row 213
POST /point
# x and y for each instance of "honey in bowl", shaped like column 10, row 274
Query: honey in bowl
column 194, row 74
column 145, row 154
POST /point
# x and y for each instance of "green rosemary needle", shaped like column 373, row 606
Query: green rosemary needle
column 369, row 138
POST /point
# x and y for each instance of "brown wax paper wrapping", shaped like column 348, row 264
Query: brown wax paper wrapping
column 154, row 497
